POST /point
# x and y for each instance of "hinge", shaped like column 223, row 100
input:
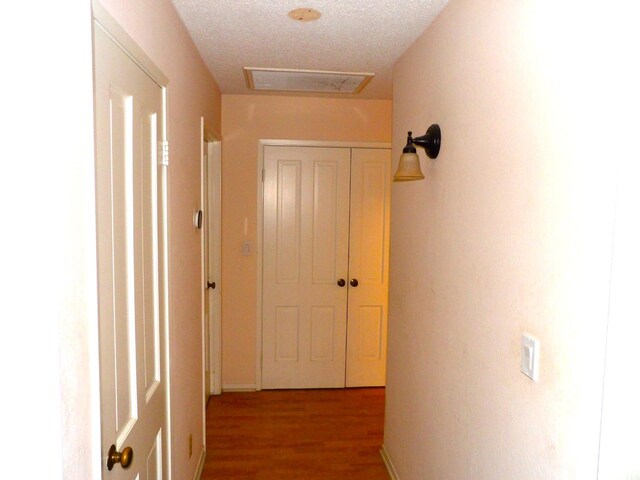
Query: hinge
column 263, row 175
column 163, row 154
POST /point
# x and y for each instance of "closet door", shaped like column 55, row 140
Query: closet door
column 368, row 267
column 305, row 254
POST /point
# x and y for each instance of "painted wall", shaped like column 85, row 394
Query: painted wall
column 245, row 120
column 47, row 254
column 192, row 93
column 510, row 232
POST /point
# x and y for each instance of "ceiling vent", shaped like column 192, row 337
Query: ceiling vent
column 283, row 80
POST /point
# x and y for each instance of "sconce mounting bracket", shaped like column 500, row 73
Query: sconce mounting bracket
column 430, row 141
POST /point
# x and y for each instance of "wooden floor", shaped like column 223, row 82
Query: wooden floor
column 296, row 434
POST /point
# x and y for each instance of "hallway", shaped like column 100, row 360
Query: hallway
column 296, row 434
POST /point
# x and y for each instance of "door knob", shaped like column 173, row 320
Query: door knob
column 124, row 458
column 354, row 282
column 341, row 282
column 211, row 285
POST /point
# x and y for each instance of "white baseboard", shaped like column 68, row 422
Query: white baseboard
column 239, row 387
column 198, row 474
column 387, row 462
column 203, row 455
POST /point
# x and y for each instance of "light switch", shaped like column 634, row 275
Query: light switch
column 529, row 360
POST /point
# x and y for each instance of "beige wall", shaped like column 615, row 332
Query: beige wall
column 245, row 120
column 192, row 93
column 47, row 254
column 510, row 232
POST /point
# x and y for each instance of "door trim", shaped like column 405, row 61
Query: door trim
column 260, row 214
column 103, row 20
column 214, row 146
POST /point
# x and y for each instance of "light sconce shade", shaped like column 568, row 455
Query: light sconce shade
column 409, row 166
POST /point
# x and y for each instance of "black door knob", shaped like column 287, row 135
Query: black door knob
column 211, row 285
column 341, row 282
column 354, row 282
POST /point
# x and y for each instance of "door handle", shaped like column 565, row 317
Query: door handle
column 124, row 458
column 354, row 282
column 211, row 285
column 341, row 282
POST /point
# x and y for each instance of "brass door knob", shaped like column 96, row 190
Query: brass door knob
column 341, row 282
column 354, row 282
column 124, row 458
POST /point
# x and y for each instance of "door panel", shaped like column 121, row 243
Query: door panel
column 288, row 222
column 325, row 212
column 369, row 265
column 306, row 224
column 370, row 322
column 323, row 321
column 131, row 291
column 287, row 328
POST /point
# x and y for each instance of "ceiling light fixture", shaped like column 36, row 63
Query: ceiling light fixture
column 409, row 166
column 305, row 14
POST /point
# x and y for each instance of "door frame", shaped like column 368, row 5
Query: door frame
column 214, row 342
column 102, row 19
column 260, row 219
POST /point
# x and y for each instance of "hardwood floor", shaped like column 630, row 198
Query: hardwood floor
column 296, row 434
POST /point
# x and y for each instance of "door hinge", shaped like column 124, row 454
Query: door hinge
column 263, row 175
column 163, row 154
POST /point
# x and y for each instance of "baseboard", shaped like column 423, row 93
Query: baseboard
column 203, row 455
column 239, row 387
column 387, row 462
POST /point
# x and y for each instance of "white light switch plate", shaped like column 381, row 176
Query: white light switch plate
column 530, row 358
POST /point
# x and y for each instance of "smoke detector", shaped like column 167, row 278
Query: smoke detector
column 284, row 80
column 305, row 14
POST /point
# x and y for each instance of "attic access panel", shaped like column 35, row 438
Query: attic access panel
column 283, row 80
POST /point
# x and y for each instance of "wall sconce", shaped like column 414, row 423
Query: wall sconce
column 409, row 166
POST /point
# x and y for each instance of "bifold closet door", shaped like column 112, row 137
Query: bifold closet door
column 305, row 255
column 368, row 267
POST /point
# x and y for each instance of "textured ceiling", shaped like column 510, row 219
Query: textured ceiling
column 351, row 35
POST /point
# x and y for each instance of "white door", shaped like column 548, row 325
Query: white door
column 211, row 199
column 132, row 279
column 368, row 267
column 325, row 266
column 306, row 238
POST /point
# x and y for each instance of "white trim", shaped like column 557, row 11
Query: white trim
column 210, row 183
column 259, row 227
column 322, row 143
column 215, row 155
column 388, row 463
column 259, row 246
column 203, row 456
column 167, row 309
column 126, row 43
column 103, row 20
column 204, row 292
column 239, row 387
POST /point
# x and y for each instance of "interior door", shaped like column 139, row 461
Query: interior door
column 305, row 255
column 368, row 267
column 131, row 268
column 213, row 264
